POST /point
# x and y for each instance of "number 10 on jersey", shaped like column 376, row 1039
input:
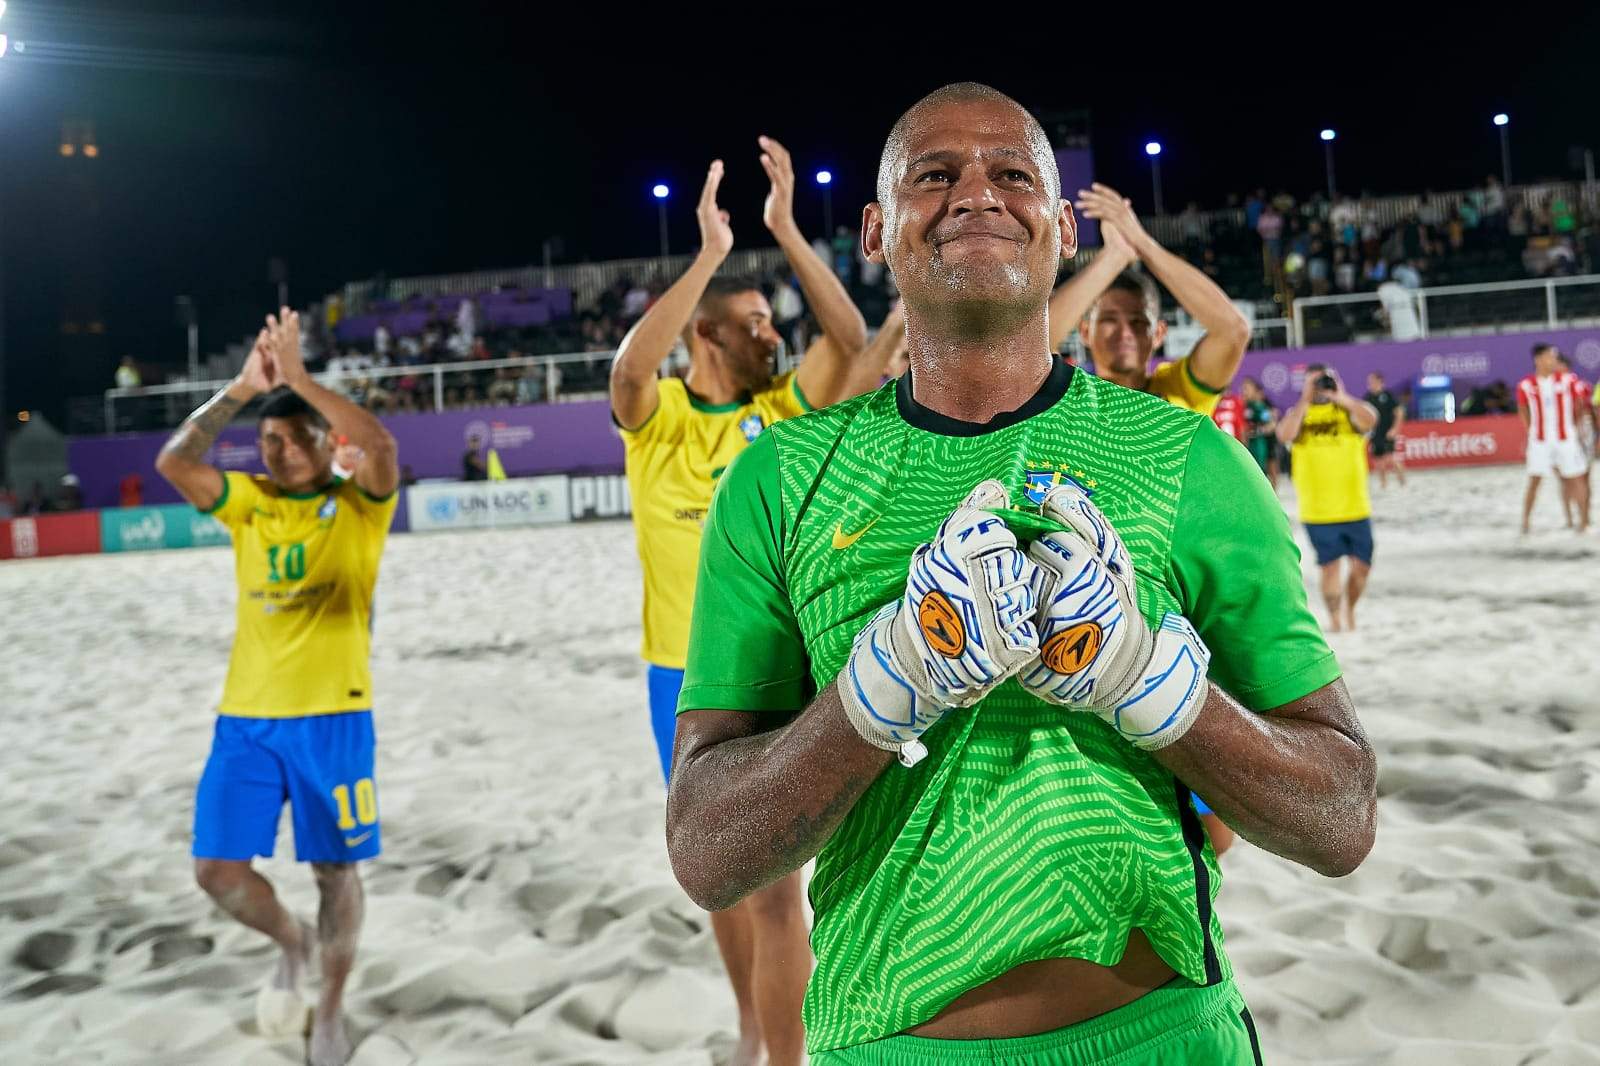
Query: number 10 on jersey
column 366, row 804
column 286, row 562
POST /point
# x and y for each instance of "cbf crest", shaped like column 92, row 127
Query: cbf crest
column 1041, row 479
column 325, row 513
column 751, row 426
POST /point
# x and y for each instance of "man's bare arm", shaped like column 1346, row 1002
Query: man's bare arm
column 1363, row 416
column 1299, row 781
column 1215, row 360
column 182, row 459
column 378, row 472
column 831, row 364
column 1074, row 297
column 750, row 804
column 650, row 341
column 873, row 364
column 1289, row 424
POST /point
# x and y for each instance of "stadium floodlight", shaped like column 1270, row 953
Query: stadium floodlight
column 661, row 192
column 1328, row 135
column 1153, row 150
column 825, row 182
column 1503, row 121
column 2, row 9
column 1327, row 156
column 3, row 43
column 824, row 177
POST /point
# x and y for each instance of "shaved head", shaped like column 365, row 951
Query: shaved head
column 961, row 92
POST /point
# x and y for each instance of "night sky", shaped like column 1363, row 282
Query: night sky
column 350, row 138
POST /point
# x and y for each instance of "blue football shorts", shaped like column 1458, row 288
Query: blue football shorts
column 665, row 684
column 321, row 765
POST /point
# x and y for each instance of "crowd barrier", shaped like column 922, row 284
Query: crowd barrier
column 424, row 507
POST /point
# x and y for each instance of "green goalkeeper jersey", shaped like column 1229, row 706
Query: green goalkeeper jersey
column 1030, row 831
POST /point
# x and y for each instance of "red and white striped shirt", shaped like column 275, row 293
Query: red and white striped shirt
column 1552, row 405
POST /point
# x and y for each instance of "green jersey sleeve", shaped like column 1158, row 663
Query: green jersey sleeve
column 1236, row 565
column 745, row 648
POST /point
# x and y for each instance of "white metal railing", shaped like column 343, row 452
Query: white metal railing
column 1541, row 307
column 547, row 366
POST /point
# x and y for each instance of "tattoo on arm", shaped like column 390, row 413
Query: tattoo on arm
column 807, row 832
column 199, row 431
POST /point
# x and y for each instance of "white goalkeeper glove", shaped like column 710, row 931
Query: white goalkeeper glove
column 964, row 624
column 1095, row 651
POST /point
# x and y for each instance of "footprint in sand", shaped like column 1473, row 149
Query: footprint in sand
column 47, row 950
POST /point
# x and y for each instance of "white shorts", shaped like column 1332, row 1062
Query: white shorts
column 1564, row 457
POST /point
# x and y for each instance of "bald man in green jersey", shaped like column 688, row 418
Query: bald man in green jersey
column 1032, row 874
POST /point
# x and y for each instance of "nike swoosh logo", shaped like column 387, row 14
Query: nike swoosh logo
column 356, row 842
column 843, row 540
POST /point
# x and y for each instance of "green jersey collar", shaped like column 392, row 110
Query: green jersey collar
column 1054, row 387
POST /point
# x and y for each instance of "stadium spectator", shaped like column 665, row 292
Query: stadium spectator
column 1270, row 228
column 1399, row 310
column 128, row 374
column 473, row 465
column 8, row 502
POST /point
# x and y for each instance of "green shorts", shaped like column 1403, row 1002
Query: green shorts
column 1179, row 1024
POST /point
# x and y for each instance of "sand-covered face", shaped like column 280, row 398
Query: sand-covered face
column 298, row 453
column 970, row 214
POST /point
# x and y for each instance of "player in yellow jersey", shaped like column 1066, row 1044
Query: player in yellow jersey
column 295, row 721
column 680, row 436
column 1118, row 314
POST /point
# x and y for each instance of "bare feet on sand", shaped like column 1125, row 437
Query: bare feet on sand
column 330, row 1044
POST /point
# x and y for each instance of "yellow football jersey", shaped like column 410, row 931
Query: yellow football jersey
column 1176, row 383
column 1329, row 467
column 306, row 566
column 673, row 462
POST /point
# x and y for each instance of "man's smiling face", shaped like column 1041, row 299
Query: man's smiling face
column 970, row 210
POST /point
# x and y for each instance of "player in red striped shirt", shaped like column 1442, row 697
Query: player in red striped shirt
column 1584, row 413
column 1551, row 403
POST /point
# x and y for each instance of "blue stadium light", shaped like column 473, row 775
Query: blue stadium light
column 1502, row 119
column 3, row 43
column 660, row 192
column 824, row 177
column 1328, row 135
column 1152, row 148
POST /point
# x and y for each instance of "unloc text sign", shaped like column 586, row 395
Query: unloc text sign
column 527, row 501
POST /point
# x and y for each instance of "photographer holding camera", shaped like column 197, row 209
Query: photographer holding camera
column 1326, row 434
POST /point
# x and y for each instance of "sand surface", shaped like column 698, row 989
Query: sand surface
column 523, row 910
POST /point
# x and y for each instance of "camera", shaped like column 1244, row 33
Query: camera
column 1328, row 383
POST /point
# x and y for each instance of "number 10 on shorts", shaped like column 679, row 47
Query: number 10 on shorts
column 366, row 804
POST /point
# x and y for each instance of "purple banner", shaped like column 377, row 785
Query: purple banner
column 554, row 438
column 1076, row 166
column 1469, row 361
